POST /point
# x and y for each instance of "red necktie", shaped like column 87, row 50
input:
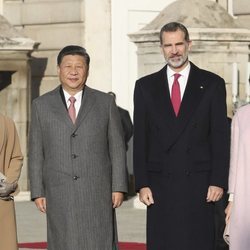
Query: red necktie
column 176, row 94
column 72, row 110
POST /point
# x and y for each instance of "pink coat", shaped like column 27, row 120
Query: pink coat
column 239, row 180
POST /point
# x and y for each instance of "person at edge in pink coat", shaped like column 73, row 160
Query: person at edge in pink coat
column 237, row 211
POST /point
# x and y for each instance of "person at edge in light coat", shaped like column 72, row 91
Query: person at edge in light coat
column 237, row 211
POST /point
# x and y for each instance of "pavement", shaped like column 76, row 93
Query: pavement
column 31, row 224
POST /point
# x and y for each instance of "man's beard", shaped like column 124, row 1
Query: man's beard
column 177, row 63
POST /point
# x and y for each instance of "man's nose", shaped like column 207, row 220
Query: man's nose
column 73, row 70
column 174, row 49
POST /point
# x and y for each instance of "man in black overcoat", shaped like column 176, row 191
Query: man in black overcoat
column 181, row 147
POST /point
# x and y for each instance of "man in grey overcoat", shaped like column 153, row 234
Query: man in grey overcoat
column 77, row 159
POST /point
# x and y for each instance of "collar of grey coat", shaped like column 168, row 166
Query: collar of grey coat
column 63, row 96
column 58, row 106
column 192, row 96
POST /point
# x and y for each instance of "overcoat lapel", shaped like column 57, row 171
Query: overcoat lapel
column 88, row 101
column 165, row 99
column 59, row 108
column 192, row 96
column 161, row 98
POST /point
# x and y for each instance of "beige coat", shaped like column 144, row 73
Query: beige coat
column 10, row 165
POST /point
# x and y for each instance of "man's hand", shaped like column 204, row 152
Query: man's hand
column 7, row 188
column 117, row 199
column 214, row 193
column 41, row 204
column 146, row 196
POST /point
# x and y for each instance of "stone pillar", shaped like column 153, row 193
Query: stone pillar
column 97, row 39
column 15, row 84
column 14, row 98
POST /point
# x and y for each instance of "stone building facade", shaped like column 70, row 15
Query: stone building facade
column 241, row 10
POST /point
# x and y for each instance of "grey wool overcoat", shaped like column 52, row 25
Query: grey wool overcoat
column 77, row 167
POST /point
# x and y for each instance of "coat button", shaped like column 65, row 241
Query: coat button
column 74, row 156
column 187, row 172
column 74, row 135
column 76, row 177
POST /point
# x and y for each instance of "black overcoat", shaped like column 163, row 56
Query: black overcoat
column 180, row 157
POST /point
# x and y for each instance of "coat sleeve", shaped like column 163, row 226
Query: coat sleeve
column 117, row 150
column 234, row 154
column 13, row 153
column 220, row 137
column 36, row 156
column 140, row 141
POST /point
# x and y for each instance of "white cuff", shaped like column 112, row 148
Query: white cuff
column 231, row 197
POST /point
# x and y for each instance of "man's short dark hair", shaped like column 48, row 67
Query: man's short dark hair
column 172, row 27
column 73, row 50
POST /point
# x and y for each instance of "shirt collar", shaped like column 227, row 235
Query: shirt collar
column 183, row 72
column 78, row 95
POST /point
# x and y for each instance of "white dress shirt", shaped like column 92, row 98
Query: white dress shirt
column 231, row 197
column 182, row 79
column 78, row 101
